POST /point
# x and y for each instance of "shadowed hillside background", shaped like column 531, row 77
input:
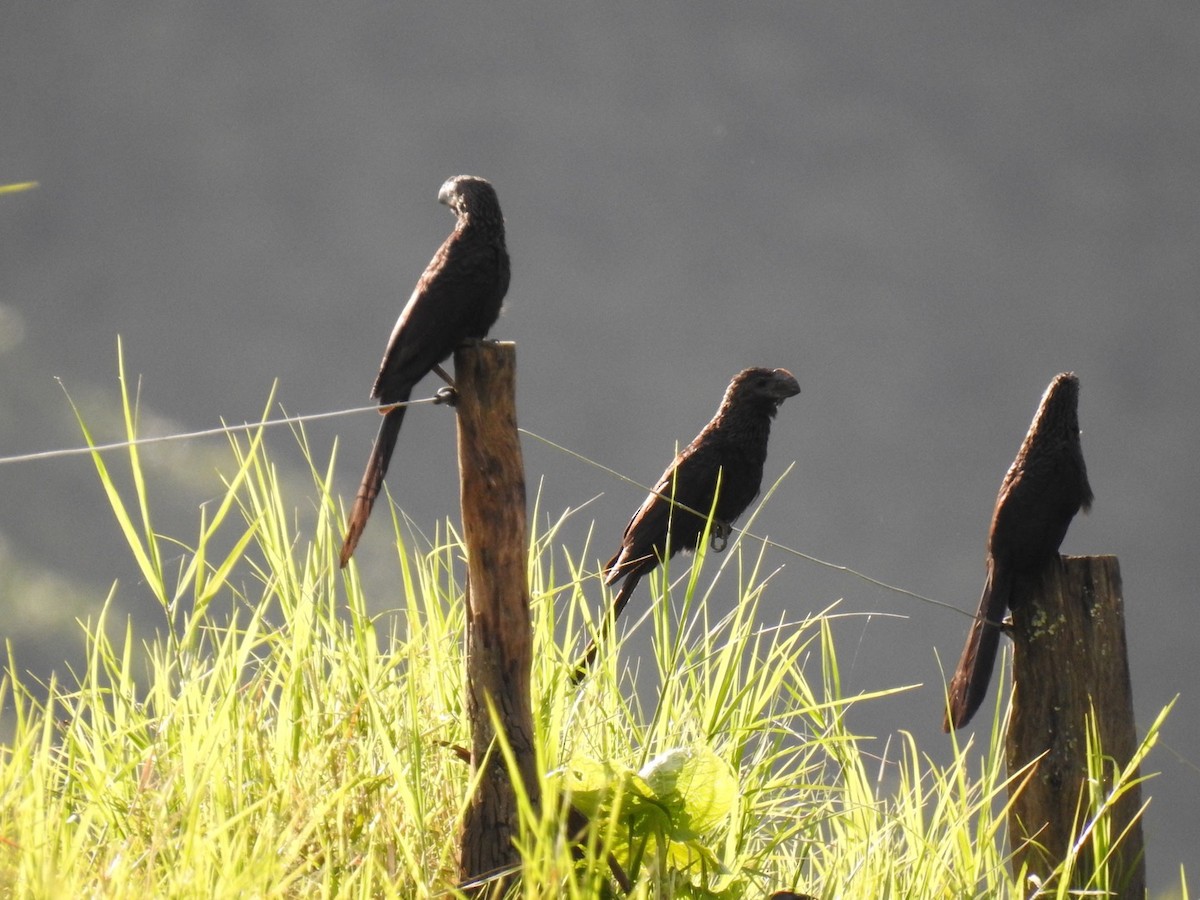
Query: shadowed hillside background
column 925, row 212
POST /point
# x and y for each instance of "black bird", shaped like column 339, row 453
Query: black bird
column 458, row 298
column 1044, row 488
column 732, row 446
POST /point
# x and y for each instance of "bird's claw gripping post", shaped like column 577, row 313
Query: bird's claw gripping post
column 718, row 539
column 449, row 394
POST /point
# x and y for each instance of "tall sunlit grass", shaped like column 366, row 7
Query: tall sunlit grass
column 279, row 741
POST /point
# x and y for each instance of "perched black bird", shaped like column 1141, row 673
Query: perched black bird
column 732, row 446
column 457, row 298
column 1044, row 488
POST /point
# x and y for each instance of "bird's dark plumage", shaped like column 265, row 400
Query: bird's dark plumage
column 734, row 446
column 457, row 298
column 1044, row 488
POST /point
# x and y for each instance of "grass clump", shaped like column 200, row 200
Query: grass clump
column 276, row 740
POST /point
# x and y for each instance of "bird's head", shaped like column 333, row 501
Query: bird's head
column 1058, row 413
column 1062, row 390
column 762, row 386
column 470, row 197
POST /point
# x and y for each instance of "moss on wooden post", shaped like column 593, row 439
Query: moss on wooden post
column 1070, row 658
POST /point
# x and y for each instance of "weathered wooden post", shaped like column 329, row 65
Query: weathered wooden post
column 499, row 634
column 1069, row 658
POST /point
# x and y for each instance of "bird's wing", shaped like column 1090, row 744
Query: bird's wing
column 459, row 281
column 687, row 482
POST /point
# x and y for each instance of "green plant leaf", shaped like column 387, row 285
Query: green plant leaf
column 695, row 786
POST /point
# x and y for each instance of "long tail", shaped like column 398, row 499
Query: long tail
column 372, row 480
column 622, row 598
column 970, row 683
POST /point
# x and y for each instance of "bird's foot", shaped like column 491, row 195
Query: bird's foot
column 449, row 394
column 718, row 538
column 443, row 374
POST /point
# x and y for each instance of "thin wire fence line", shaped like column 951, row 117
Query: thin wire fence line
column 837, row 567
column 208, row 432
column 313, row 417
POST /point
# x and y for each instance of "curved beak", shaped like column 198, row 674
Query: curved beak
column 785, row 384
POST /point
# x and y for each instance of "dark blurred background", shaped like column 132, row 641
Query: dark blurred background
column 925, row 211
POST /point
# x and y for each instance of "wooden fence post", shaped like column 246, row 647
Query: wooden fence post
column 499, row 634
column 1069, row 658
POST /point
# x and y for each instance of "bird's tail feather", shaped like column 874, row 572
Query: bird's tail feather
column 622, row 598
column 372, row 480
column 970, row 683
